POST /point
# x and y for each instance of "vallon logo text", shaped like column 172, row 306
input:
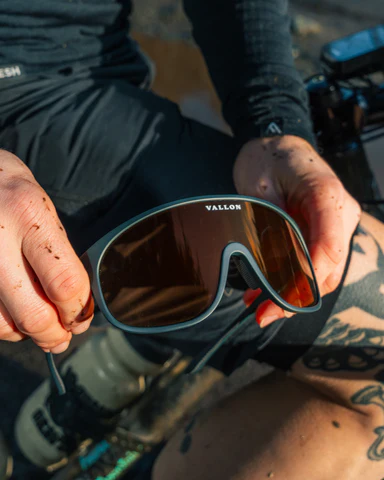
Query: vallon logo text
column 212, row 208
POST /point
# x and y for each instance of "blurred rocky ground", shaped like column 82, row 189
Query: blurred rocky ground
column 314, row 23
column 164, row 32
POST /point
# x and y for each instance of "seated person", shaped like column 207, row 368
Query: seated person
column 92, row 147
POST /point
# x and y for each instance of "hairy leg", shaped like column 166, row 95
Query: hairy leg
column 324, row 420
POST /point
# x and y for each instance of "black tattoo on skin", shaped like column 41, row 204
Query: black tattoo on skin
column 373, row 395
column 187, row 440
column 343, row 347
column 365, row 293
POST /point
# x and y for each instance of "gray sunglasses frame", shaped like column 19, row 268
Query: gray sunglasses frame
column 94, row 256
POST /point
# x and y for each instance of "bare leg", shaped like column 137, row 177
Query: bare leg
column 276, row 428
column 322, row 422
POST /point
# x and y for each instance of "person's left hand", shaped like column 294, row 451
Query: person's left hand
column 288, row 172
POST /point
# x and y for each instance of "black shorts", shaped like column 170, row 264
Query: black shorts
column 105, row 151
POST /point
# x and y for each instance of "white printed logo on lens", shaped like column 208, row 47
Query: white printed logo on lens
column 214, row 208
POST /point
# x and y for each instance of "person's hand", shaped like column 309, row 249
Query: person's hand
column 289, row 173
column 44, row 288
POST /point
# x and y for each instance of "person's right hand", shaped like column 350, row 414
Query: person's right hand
column 44, row 288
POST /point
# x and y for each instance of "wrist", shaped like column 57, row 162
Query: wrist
column 281, row 147
column 283, row 142
column 268, row 127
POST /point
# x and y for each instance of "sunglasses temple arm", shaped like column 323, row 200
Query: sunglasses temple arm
column 198, row 363
column 194, row 367
column 56, row 377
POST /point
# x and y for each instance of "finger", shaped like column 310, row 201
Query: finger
column 322, row 208
column 8, row 329
column 350, row 223
column 297, row 292
column 25, row 301
column 59, row 270
column 250, row 296
column 268, row 312
column 83, row 324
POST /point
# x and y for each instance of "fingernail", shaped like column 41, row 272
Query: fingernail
column 88, row 309
column 80, row 328
column 268, row 320
column 60, row 348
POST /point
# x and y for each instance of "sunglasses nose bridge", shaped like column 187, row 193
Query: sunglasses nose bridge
column 238, row 254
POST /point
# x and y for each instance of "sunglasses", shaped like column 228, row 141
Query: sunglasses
column 167, row 269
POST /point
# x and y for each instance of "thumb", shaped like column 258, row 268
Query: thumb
column 254, row 174
column 267, row 188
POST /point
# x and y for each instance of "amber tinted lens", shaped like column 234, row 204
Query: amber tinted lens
column 279, row 254
column 165, row 269
column 162, row 270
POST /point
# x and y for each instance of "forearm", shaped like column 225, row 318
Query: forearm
column 247, row 47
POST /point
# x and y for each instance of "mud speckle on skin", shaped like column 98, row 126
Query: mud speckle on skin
column 49, row 249
column 336, row 424
column 2, row 226
column 83, row 309
column 44, row 199
column 303, row 440
column 35, row 279
column 311, row 159
column 1, row 170
column 58, row 258
column 35, row 225
column 61, row 228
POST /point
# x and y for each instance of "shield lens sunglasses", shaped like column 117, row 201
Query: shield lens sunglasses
column 167, row 269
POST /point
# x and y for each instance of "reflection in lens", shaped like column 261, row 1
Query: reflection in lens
column 165, row 269
column 157, row 272
column 284, row 262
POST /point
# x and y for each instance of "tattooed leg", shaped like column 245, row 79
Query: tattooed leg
column 325, row 419
column 369, row 396
column 277, row 428
column 347, row 359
